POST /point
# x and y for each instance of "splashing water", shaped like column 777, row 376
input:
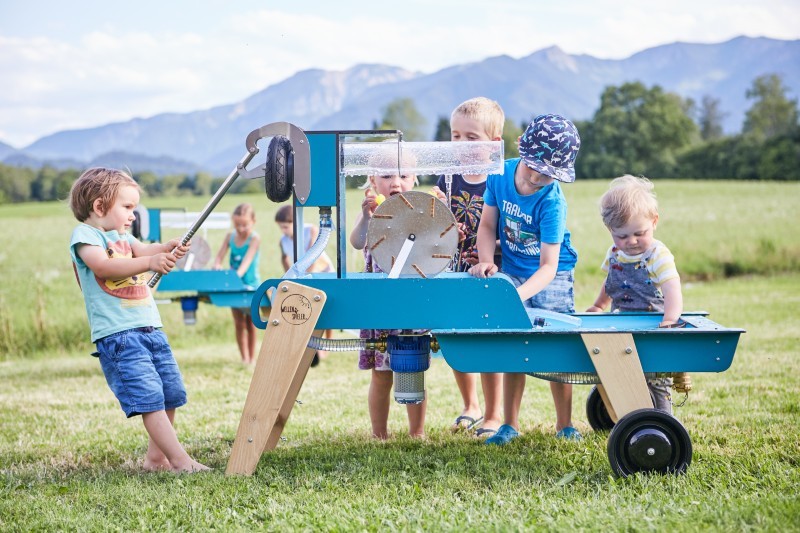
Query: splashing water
column 389, row 158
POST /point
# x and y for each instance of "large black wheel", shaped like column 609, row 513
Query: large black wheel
column 649, row 440
column 279, row 176
column 596, row 412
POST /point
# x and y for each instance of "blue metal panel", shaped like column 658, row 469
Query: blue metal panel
column 689, row 350
column 154, row 231
column 324, row 169
column 201, row 281
column 451, row 300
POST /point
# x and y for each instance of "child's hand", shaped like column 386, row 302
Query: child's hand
column 179, row 249
column 594, row 309
column 163, row 263
column 483, row 270
column 436, row 191
column 462, row 234
column 369, row 204
column 470, row 256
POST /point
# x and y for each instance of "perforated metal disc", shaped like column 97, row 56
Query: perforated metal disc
column 419, row 214
column 197, row 257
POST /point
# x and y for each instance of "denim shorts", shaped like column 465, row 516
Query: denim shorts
column 558, row 296
column 141, row 371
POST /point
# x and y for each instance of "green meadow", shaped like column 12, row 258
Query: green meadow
column 69, row 460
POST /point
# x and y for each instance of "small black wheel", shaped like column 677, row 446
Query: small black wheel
column 596, row 412
column 649, row 440
column 279, row 175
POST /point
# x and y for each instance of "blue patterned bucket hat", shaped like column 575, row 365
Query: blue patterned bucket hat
column 550, row 145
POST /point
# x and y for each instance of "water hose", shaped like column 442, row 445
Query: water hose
column 317, row 249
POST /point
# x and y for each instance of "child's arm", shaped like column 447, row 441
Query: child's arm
column 284, row 259
column 105, row 267
column 673, row 301
column 601, row 302
column 358, row 237
column 222, row 251
column 247, row 260
column 486, row 241
column 548, row 266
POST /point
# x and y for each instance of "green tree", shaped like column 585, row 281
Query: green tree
column 637, row 131
column 511, row 135
column 710, row 118
column 772, row 113
column 401, row 114
column 442, row 129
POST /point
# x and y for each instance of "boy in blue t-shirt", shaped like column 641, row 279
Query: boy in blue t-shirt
column 112, row 270
column 528, row 208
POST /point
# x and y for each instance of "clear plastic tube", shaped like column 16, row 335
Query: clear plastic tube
column 337, row 345
column 325, row 229
column 442, row 157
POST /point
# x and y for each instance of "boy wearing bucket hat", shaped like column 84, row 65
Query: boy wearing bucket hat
column 528, row 208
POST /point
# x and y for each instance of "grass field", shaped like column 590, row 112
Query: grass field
column 69, row 460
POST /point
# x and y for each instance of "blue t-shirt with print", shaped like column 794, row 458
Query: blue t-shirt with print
column 525, row 222
column 112, row 305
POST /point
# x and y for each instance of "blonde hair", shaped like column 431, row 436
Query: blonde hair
column 627, row 197
column 97, row 183
column 486, row 111
column 391, row 157
column 244, row 210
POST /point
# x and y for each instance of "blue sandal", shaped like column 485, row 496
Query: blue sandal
column 569, row 433
column 503, row 436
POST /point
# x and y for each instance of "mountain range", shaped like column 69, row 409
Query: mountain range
column 548, row 80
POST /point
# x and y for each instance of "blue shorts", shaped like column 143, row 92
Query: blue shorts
column 558, row 296
column 141, row 371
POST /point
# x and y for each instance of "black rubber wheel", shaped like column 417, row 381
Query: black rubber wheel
column 649, row 440
column 596, row 412
column 279, row 175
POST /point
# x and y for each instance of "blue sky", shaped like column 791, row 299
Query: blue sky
column 69, row 65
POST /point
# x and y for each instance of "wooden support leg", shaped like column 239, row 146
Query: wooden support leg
column 281, row 368
column 624, row 388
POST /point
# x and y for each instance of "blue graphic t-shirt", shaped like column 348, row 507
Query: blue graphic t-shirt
column 112, row 305
column 525, row 222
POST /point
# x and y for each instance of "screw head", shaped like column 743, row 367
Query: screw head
column 276, row 322
column 595, row 350
column 628, row 350
column 317, row 298
column 285, row 288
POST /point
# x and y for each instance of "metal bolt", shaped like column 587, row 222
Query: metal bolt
column 628, row 350
column 717, row 358
column 285, row 288
column 595, row 350
column 486, row 315
column 249, row 439
column 302, row 198
column 302, row 141
column 317, row 298
column 526, row 359
column 651, row 451
column 486, row 286
column 276, row 322
column 526, row 342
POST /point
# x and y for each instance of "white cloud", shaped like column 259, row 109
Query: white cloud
column 94, row 72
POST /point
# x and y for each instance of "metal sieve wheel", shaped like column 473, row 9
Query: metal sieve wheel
column 424, row 219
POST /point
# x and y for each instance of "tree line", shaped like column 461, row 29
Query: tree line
column 636, row 130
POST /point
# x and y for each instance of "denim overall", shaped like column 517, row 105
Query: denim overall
column 630, row 288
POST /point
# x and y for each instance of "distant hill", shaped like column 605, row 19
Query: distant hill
column 6, row 150
column 547, row 80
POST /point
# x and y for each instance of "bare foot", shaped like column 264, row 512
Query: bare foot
column 190, row 468
column 156, row 466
